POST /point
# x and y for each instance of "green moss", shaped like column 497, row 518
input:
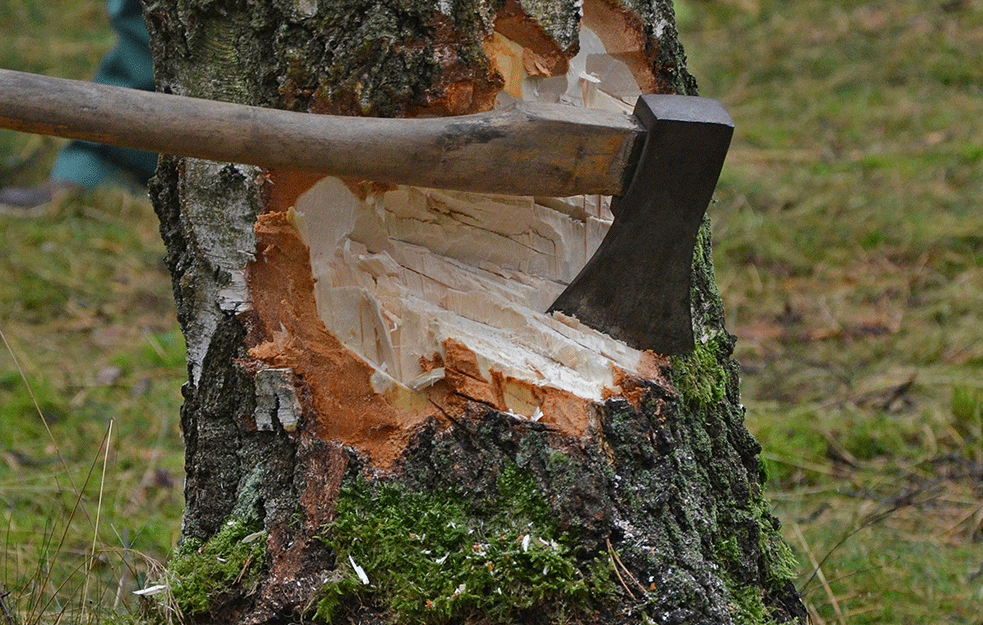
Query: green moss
column 230, row 560
column 520, row 500
column 747, row 596
column 728, row 551
column 778, row 568
column 699, row 375
column 782, row 565
column 747, row 604
column 427, row 560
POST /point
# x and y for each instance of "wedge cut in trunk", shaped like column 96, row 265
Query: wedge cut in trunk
column 383, row 422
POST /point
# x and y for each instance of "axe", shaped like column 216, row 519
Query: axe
column 661, row 164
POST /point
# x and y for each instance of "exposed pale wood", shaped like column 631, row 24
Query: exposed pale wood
column 399, row 272
column 525, row 149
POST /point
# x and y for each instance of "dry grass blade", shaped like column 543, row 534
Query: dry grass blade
column 38, row 608
column 616, row 562
column 617, row 572
column 102, row 489
column 819, row 573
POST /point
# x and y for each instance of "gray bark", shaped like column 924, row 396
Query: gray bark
column 658, row 511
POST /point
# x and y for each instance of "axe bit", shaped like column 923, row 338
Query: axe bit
column 637, row 285
column 661, row 165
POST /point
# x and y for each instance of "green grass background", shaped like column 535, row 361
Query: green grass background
column 848, row 248
column 90, row 495
column 849, row 251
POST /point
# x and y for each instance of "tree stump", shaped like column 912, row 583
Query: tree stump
column 382, row 423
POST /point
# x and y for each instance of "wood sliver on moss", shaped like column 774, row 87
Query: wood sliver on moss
column 424, row 558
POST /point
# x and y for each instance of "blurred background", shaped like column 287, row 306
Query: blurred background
column 91, row 494
column 848, row 250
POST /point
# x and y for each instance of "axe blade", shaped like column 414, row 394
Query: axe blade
column 636, row 287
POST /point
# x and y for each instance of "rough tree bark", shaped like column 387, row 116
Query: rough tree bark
column 371, row 437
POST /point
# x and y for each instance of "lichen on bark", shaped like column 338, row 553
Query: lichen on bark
column 656, row 510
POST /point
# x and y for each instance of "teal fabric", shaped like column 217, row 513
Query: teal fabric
column 127, row 65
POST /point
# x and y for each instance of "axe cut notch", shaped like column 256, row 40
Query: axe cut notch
column 662, row 165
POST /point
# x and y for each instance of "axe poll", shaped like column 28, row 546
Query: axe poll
column 661, row 164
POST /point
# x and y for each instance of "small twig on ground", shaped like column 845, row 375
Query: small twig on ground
column 7, row 614
column 616, row 561
column 899, row 392
column 614, row 565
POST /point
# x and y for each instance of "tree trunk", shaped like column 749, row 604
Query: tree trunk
column 381, row 422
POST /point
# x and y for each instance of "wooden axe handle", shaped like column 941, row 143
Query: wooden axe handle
column 524, row 149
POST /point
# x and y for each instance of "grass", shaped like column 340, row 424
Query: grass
column 90, row 453
column 91, row 465
column 849, row 250
column 64, row 38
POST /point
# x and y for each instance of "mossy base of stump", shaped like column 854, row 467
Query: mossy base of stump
column 501, row 520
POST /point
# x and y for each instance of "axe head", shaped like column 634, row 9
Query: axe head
column 636, row 287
